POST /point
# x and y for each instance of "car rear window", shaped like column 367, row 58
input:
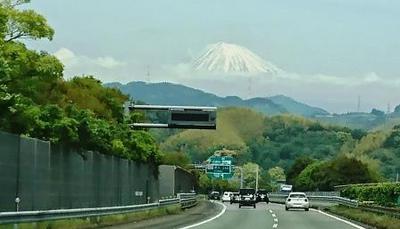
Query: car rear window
column 297, row 196
column 246, row 191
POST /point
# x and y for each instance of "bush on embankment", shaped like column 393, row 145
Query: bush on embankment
column 372, row 219
column 384, row 194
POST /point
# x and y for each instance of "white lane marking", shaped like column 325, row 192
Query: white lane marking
column 275, row 225
column 207, row 220
column 337, row 218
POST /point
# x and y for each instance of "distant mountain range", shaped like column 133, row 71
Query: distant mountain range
column 176, row 94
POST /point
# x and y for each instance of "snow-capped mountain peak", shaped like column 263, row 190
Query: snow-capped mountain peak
column 230, row 58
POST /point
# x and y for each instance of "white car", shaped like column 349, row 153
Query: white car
column 297, row 200
column 226, row 197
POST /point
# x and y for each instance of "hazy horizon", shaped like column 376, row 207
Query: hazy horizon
column 331, row 50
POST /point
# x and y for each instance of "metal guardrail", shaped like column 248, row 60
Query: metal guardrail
column 395, row 212
column 185, row 201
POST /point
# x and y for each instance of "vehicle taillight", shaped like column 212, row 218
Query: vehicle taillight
column 305, row 200
column 288, row 200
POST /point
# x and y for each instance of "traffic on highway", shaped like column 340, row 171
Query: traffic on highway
column 274, row 216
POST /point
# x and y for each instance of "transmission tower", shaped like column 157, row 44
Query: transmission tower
column 148, row 73
column 249, row 88
column 358, row 103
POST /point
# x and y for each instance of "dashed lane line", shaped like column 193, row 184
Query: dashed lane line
column 275, row 225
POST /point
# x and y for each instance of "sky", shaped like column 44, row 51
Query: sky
column 331, row 50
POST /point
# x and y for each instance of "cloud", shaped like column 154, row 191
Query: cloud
column 70, row 59
column 66, row 56
column 372, row 77
column 105, row 68
column 184, row 71
column 108, row 62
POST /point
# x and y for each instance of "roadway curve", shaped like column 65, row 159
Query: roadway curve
column 265, row 216
column 273, row 216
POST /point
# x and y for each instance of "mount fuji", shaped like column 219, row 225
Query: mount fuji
column 223, row 57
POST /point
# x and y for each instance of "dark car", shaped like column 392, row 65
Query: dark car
column 262, row 196
column 235, row 197
column 214, row 195
column 247, row 197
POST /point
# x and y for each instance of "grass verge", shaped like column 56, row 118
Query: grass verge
column 368, row 218
column 100, row 221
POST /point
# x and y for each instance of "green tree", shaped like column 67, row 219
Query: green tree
column 277, row 173
column 297, row 167
column 22, row 24
column 176, row 158
column 323, row 176
column 36, row 101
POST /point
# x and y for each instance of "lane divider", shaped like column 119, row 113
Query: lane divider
column 337, row 218
column 208, row 220
column 275, row 225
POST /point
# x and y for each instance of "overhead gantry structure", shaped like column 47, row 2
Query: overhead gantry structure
column 180, row 117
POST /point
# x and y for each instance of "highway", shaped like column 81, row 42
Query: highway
column 272, row 216
column 265, row 216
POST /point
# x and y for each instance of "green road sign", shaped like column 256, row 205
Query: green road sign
column 220, row 167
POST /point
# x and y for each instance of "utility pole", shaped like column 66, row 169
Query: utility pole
column 241, row 175
column 257, row 178
column 397, row 177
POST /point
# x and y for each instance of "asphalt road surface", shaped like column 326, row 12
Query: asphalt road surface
column 265, row 216
column 273, row 216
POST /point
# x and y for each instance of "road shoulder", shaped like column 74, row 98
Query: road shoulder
column 203, row 211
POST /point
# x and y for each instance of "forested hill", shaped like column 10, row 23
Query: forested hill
column 168, row 93
column 280, row 140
